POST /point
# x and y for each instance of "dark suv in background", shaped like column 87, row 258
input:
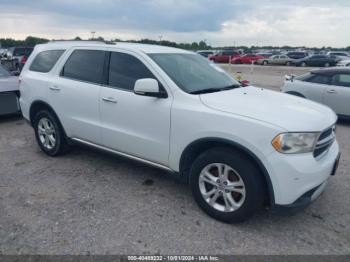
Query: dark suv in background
column 297, row 54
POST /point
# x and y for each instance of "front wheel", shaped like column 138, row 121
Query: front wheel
column 288, row 63
column 303, row 64
column 327, row 65
column 49, row 133
column 227, row 185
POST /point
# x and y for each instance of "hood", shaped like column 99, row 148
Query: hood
column 8, row 84
column 289, row 112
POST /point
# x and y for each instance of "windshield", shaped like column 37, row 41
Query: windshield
column 3, row 72
column 194, row 74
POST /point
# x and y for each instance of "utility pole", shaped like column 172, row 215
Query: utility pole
column 93, row 35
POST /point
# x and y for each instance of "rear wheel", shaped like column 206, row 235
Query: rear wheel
column 327, row 65
column 49, row 133
column 227, row 185
column 303, row 64
column 265, row 62
column 288, row 63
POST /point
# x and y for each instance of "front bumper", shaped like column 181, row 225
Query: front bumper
column 299, row 179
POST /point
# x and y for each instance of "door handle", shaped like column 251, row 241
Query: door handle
column 55, row 88
column 109, row 100
column 332, row 91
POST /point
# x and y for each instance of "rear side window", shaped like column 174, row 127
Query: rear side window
column 45, row 61
column 85, row 65
column 342, row 80
column 125, row 70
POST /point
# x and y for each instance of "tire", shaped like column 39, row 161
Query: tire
column 265, row 63
column 303, row 64
column 241, row 170
column 327, row 65
column 288, row 63
column 49, row 134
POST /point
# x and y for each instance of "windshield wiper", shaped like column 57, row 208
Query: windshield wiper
column 213, row 90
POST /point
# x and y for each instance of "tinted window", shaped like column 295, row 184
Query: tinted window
column 45, row 61
column 125, row 69
column 341, row 80
column 319, row 79
column 85, row 65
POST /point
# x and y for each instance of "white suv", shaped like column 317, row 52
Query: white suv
column 238, row 147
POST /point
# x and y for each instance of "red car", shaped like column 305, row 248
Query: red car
column 246, row 59
column 224, row 56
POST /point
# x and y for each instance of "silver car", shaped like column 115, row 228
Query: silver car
column 9, row 92
column 276, row 60
column 326, row 86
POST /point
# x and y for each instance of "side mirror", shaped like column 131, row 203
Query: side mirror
column 148, row 87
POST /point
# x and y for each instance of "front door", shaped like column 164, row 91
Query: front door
column 133, row 124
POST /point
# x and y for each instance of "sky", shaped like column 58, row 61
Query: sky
column 218, row 22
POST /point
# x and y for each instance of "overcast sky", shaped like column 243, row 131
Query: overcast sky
column 219, row 22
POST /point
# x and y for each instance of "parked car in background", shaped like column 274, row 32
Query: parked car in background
column 340, row 55
column 237, row 147
column 18, row 56
column 246, row 59
column 276, row 60
column 344, row 63
column 9, row 93
column 297, row 54
column 224, row 56
column 206, row 53
column 317, row 60
column 327, row 86
column 265, row 54
column 2, row 52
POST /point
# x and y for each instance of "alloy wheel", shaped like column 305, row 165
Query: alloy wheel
column 222, row 187
column 47, row 133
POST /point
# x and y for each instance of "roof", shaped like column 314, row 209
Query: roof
column 145, row 48
column 331, row 71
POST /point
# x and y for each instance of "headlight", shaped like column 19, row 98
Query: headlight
column 295, row 143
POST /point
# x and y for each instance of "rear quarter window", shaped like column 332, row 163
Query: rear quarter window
column 45, row 61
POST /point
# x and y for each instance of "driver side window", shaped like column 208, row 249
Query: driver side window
column 125, row 70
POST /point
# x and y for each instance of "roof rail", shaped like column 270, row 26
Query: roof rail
column 83, row 41
column 74, row 41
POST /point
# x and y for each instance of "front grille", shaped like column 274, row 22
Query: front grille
column 324, row 141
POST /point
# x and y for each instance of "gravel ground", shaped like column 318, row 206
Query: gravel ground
column 88, row 202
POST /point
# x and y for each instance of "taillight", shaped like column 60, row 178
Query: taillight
column 23, row 60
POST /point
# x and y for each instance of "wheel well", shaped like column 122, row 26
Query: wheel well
column 196, row 148
column 38, row 106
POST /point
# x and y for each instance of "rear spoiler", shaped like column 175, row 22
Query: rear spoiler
column 289, row 77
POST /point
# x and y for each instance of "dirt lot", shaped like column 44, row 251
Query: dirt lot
column 88, row 202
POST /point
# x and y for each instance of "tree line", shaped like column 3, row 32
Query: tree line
column 201, row 45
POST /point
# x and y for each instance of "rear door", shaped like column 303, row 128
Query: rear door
column 337, row 95
column 74, row 93
column 133, row 124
